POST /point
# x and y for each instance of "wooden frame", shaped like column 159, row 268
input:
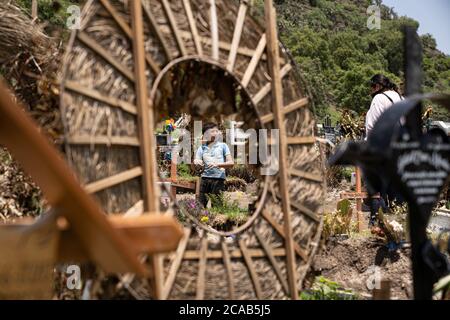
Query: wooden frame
column 264, row 61
column 87, row 233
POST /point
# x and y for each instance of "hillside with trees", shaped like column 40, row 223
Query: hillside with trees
column 335, row 50
column 338, row 54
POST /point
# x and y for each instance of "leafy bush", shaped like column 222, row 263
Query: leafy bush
column 184, row 172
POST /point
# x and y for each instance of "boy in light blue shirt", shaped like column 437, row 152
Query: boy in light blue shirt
column 214, row 157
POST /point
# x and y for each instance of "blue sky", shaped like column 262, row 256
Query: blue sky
column 433, row 16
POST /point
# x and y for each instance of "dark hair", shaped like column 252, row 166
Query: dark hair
column 384, row 81
column 209, row 125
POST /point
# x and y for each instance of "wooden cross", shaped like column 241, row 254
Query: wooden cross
column 84, row 232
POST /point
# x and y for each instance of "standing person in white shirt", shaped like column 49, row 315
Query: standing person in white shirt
column 384, row 94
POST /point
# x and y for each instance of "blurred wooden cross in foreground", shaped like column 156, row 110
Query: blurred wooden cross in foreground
column 76, row 230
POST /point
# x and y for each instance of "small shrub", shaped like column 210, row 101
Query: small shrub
column 243, row 172
column 235, row 184
column 338, row 221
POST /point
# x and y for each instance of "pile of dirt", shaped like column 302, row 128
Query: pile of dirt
column 355, row 263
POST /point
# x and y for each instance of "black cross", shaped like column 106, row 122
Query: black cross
column 417, row 164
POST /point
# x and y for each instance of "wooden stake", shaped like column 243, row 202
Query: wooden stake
column 214, row 31
column 193, row 27
column 173, row 173
column 384, row 292
column 358, row 200
column 277, row 105
column 145, row 119
column 237, row 35
column 34, row 9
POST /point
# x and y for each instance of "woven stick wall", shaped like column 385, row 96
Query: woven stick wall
column 102, row 142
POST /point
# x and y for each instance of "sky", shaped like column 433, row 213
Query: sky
column 432, row 15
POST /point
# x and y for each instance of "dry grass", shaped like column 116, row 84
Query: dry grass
column 20, row 35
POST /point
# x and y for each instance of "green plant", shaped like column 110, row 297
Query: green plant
column 326, row 289
column 54, row 12
column 220, row 205
column 184, row 172
column 338, row 221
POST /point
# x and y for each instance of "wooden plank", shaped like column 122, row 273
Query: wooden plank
column 229, row 270
column 244, row 51
column 214, row 30
column 116, row 179
column 103, row 140
column 117, row 18
column 237, row 35
column 156, row 29
column 383, row 292
column 174, row 27
column 106, row 247
column 268, row 250
column 309, row 213
column 264, row 91
column 278, row 228
column 193, row 27
column 356, row 195
column 277, row 105
column 251, row 270
column 94, row 94
column 34, row 9
column 290, row 108
column 170, row 280
column 234, row 254
column 197, row 187
column 135, row 210
column 177, row 184
column 146, row 129
column 254, row 62
column 94, row 46
column 306, row 175
column 146, row 234
column 358, row 200
column 150, row 233
column 201, row 278
column 301, row 140
column 127, row 30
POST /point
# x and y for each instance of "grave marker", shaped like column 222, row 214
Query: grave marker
column 416, row 163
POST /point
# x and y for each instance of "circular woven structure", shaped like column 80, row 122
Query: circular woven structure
column 102, row 143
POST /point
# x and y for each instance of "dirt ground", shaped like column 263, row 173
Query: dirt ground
column 355, row 262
